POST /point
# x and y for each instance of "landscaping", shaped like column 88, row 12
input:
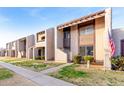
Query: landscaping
column 5, row 73
column 89, row 77
column 35, row 65
column 118, row 63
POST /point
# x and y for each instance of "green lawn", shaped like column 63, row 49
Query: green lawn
column 35, row 65
column 87, row 77
column 5, row 73
column 11, row 60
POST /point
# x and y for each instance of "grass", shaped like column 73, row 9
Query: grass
column 35, row 65
column 70, row 72
column 11, row 60
column 5, row 73
column 87, row 77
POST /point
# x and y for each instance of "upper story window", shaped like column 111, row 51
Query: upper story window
column 41, row 36
column 86, row 30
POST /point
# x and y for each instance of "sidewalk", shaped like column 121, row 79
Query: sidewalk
column 38, row 77
column 50, row 70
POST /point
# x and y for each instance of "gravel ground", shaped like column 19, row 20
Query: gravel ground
column 16, row 80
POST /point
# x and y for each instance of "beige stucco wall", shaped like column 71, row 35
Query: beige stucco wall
column 30, row 42
column 8, row 52
column 60, row 55
column 10, row 47
column 48, row 44
column 118, row 35
column 99, row 39
column 21, row 45
column 2, row 52
column 59, row 39
column 49, row 47
column 30, row 55
column 40, row 44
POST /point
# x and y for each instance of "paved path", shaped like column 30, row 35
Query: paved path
column 54, row 68
column 38, row 77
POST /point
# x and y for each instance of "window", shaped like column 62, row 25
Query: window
column 86, row 50
column 66, row 39
column 43, row 38
column 86, row 30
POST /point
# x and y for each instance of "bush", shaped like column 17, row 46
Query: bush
column 39, row 66
column 77, row 59
column 40, row 58
column 118, row 63
column 88, row 58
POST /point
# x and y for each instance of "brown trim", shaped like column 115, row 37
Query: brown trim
column 82, row 19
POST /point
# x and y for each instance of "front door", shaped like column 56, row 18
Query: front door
column 39, row 52
column 122, row 47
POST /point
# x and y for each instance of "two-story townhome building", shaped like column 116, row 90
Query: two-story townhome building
column 85, row 36
column 23, row 46
column 44, row 44
column 11, row 49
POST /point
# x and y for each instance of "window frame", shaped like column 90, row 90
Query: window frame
column 86, row 50
column 84, row 30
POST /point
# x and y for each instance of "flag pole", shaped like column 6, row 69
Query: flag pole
column 107, row 52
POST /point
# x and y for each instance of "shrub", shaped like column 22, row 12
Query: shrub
column 88, row 58
column 118, row 63
column 39, row 66
column 40, row 58
column 27, row 64
column 77, row 59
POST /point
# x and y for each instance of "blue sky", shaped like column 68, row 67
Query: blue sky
column 18, row 22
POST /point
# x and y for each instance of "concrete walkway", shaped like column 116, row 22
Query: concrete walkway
column 38, row 77
column 50, row 70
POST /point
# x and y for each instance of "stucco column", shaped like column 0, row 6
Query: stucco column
column 107, row 61
column 34, row 53
column 16, row 49
column 74, row 41
column 28, row 53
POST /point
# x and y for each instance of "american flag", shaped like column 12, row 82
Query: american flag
column 111, row 44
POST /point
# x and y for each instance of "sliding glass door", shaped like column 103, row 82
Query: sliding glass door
column 86, row 50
